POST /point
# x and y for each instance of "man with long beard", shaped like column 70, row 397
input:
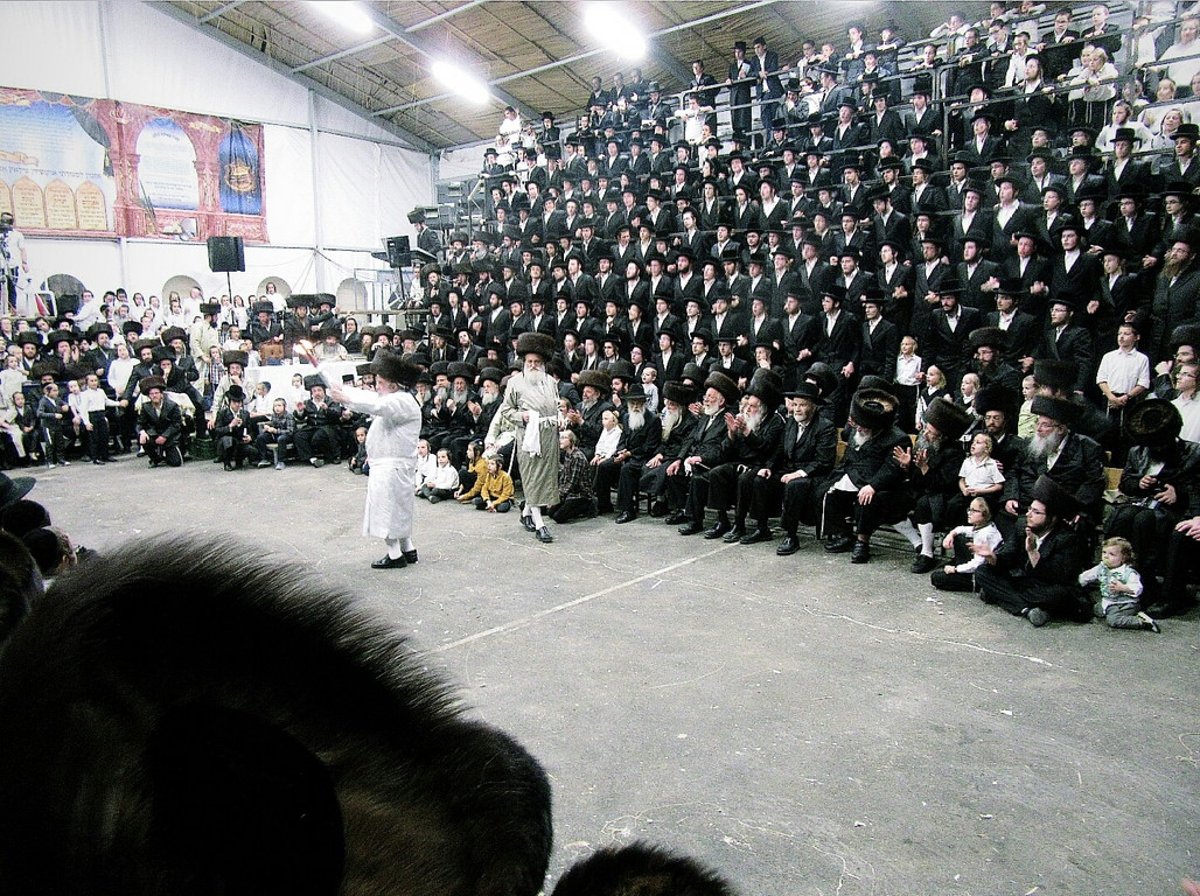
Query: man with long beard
column 642, row 436
column 688, row 473
column 676, row 422
column 861, row 486
column 391, row 449
column 596, row 388
column 806, row 455
column 753, row 437
column 1072, row 460
column 1035, row 574
column 530, row 407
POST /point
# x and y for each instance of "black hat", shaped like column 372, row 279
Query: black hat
column 360, row 369
column 164, row 353
column 989, row 336
column 636, row 392
column 13, row 490
column 597, row 379
column 170, row 334
column 1190, row 130
column 535, row 343
column 100, row 330
column 461, row 368
column 235, row 393
column 28, row 337
column 131, row 327
column 804, row 390
column 394, row 368
column 146, row 383
column 723, row 384
column 1063, row 410
column 874, row 409
column 995, row 398
column 314, row 380
column 491, row 374
column 1054, row 374
column 824, row 377
column 210, row 308
column 235, row 357
column 677, row 392
column 767, row 387
column 1154, row 422
column 1185, row 334
column 622, row 370
column 948, row 418
column 1057, row 500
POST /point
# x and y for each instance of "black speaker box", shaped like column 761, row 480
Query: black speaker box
column 226, row 253
column 399, row 251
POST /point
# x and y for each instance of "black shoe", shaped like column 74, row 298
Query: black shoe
column 410, row 556
column 228, row 467
column 861, row 552
column 674, row 519
column 626, row 516
column 839, row 544
column 719, row 528
column 788, row 546
column 527, row 522
column 734, row 535
column 691, row 528
column 756, row 537
column 544, row 536
column 658, row 509
column 387, row 562
column 922, row 564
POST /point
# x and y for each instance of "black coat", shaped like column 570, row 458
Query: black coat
column 815, row 454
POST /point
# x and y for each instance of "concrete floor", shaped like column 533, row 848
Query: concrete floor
column 806, row 726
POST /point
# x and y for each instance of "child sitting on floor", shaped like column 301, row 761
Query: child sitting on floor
column 1120, row 587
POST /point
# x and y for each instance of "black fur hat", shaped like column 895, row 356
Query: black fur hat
column 1154, row 422
column 678, row 393
column 1057, row 500
column 948, row 419
column 874, row 409
column 1063, row 410
column 1057, row 375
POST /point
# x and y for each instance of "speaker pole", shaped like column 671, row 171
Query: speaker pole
column 229, row 287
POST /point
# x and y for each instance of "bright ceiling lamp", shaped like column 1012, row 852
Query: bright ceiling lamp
column 348, row 14
column 460, row 82
column 615, row 31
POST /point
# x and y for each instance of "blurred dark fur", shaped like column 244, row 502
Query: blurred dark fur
column 178, row 721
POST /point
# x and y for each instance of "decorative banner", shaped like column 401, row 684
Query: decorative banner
column 78, row 166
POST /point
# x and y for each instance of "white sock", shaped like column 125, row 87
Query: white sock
column 536, row 513
column 905, row 528
column 926, row 531
column 393, row 547
column 406, row 544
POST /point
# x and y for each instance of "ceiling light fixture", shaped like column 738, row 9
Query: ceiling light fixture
column 460, row 82
column 614, row 30
column 348, row 14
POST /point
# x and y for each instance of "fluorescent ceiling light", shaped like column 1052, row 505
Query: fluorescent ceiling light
column 615, row 31
column 460, row 82
column 348, row 14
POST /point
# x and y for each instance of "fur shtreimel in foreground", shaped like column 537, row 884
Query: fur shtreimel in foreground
column 177, row 720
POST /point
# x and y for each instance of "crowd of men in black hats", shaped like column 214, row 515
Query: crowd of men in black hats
column 761, row 317
column 981, row 221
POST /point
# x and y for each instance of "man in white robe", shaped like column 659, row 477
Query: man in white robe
column 531, row 409
column 392, row 452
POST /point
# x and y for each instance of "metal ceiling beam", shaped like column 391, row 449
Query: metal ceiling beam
column 578, row 57
column 429, row 52
column 341, row 54
column 212, row 32
column 224, row 8
column 441, row 17
column 373, row 42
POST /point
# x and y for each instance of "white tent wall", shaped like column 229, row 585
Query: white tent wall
column 362, row 182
